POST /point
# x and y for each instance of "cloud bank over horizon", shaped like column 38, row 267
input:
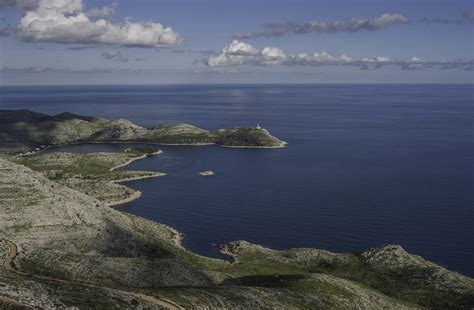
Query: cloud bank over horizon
column 239, row 53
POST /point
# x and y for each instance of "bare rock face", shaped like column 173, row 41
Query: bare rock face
column 31, row 200
column 392, row 256
column 306, row 255
column 121, row 129
column 240, row 248
column 177, row 129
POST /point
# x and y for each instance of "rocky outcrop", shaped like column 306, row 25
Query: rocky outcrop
column 392, row 257
column 388, row 269
column 206, row 173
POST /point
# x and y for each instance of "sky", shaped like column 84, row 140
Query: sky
column 224, row 41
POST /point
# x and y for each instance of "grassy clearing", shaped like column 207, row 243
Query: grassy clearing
column 90, row 173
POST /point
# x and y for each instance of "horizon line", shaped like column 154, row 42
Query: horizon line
column 242, row 84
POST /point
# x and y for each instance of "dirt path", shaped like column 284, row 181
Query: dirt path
column 8, row 262
column 9, row 265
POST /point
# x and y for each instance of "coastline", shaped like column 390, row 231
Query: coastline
column 135, row 159
column 244, row 256
column 176, row 235
column 31, row 153
column 136, row 194
column 280, row 146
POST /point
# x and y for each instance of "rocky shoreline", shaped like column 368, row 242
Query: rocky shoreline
column 135, row 159
column 72, row 249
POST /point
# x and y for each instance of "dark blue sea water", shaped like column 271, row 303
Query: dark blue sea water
column 365, row 164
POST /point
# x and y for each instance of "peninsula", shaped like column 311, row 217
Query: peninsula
column 62, row 245
column 27, row 131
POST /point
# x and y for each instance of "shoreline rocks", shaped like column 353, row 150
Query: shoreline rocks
column 206, row 173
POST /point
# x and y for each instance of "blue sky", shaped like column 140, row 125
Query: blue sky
column 379, row 38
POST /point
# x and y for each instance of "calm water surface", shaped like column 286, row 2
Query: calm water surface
column 365, row 165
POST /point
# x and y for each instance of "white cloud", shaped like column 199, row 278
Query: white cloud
column 103, row 13
column 64, row 21
column 376, row 59
column 238, row 53
column 272, row 56
column 414, row 63
column 234, row 54
column 318, row 57
column 372, row 63
column 348, row 25
column 346, row 58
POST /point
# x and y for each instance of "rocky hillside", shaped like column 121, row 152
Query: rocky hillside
column 23, row 130
column 62, row 248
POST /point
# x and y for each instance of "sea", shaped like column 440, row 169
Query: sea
column 365, row 165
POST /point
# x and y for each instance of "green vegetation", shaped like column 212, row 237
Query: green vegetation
column 143, row 150
column 85, row 165
column 92, row 173
column 246, row 137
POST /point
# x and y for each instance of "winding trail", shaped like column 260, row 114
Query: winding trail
column 9, row 266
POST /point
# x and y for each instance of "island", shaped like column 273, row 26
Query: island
column 206, row 173
column 62, row 244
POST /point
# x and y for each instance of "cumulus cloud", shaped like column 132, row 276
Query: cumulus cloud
column 64, row 21
column 234, row 54
column 102, row 13
column 349, row 25
column 239, row 53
